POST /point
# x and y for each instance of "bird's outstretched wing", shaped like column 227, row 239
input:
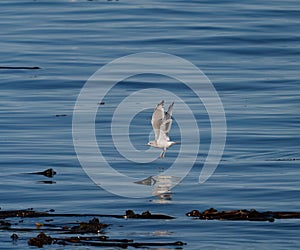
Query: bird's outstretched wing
column 163, row 136
column 167, row 121
column 158, row 118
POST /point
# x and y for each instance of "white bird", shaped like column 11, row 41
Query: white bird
column 161, row 123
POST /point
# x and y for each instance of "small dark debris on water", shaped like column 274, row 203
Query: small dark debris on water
column 284, row 159
column 41, row 240
column 287, row 159
column 48, row 173
column 242, row 214
column 14, row 237
column 60, row 115
column 46, row 182
column 14, row 67
column 130, row 214
column 4, row 224
column 93, row 226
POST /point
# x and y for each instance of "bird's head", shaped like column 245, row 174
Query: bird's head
column 151, row 143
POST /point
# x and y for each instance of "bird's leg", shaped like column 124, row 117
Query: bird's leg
column 162, row 155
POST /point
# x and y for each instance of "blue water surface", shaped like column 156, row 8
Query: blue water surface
column 249, row 50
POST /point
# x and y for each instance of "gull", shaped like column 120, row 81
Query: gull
column 161, row 123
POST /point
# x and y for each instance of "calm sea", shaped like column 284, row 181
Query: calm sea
column 249, row 50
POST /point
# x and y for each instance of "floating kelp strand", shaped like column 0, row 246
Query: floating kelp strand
column 129, row 214
column 242, row 214
column 19, row 67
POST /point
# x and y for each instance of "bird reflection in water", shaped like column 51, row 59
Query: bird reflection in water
column 162, row 185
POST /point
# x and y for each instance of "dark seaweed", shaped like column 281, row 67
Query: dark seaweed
column 94, row 226
column 42, row 239
column 242, row 214
column 14, row 67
